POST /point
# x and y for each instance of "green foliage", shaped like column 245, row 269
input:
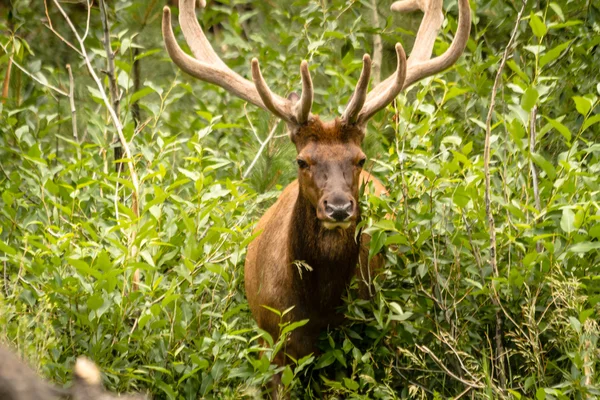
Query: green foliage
column 70, row 239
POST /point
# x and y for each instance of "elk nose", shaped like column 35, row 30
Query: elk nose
column 339, row 212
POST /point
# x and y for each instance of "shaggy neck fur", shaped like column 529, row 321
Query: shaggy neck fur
column 332, row 255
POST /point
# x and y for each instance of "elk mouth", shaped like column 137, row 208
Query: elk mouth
column 331, row 225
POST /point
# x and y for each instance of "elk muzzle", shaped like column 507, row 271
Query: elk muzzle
column 337, row 211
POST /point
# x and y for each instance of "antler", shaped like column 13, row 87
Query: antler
column 209, row 67
column 419, row 65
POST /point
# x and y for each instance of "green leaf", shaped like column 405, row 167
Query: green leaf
column 567, row 222
column 84, row 268
column 293, row 326
column 590, row 121
column 537, row 25
column 582, row 104
column 7, row 249
column 557, row 10
column 325, row 360
column 553, row 53
column 517, row 70
column 167, row 389
column 585, row 314
column 540, row 394
column 95, row 302
column 529, row 98
column 545, row 165
column 141, row 93
column 461, row 197
column 273, row 310
column 575, row 324
column 287, row 376
column 563, row 130
column 584, row 247
column 351, row 384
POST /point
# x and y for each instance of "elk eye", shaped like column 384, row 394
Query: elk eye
column 361, row 163
column 302, row 164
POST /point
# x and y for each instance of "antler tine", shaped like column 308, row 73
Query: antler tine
column 419, row 63
column 209, row 67
column 406, row 5
column 303, row 107
column 420, row 70
column 278, row 106
column 194, row 35
column 380, row 99
column 359, row 96
column 217, row 75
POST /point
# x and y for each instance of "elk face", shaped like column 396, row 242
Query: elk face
column 330, row 161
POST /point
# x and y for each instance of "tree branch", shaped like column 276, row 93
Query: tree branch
column 115, row 95
column 72, row 103
column 113, row 115
column 498, row 337
column 534, row 177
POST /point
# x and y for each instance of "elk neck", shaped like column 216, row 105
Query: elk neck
column 332, row 254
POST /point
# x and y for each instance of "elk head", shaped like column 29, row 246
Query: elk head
column 329, row 153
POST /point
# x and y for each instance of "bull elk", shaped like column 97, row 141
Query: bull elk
column 314, row 220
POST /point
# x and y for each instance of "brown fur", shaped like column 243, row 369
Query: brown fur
column 292, row 230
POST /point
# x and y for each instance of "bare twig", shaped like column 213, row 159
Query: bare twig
column 110, row 60
column 114, row 117
column 475, row 384
column 72, row 102
column 534, row 177
column 51, row 27
column 474, row 249
column 488, row 209
column 118, row 126
column 115, row 95
column 263, row 144
column 29, row 74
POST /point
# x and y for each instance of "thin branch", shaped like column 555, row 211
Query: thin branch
column 29, row 74
column 263, row 144
column 51, row 27
column 474, row 249
column 114, row 117
column 475, row 385
column 110, row 59
column 488, row 209
column 72, row 103
column 87, row 23
column 534, row 177
column 251, row 125
column 115, row 95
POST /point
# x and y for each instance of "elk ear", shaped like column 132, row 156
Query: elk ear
column 293, row 97
column 293, row 128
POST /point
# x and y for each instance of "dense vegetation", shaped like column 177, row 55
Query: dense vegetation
column 444, row 322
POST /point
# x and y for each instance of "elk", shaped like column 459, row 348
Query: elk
column 315, row 218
